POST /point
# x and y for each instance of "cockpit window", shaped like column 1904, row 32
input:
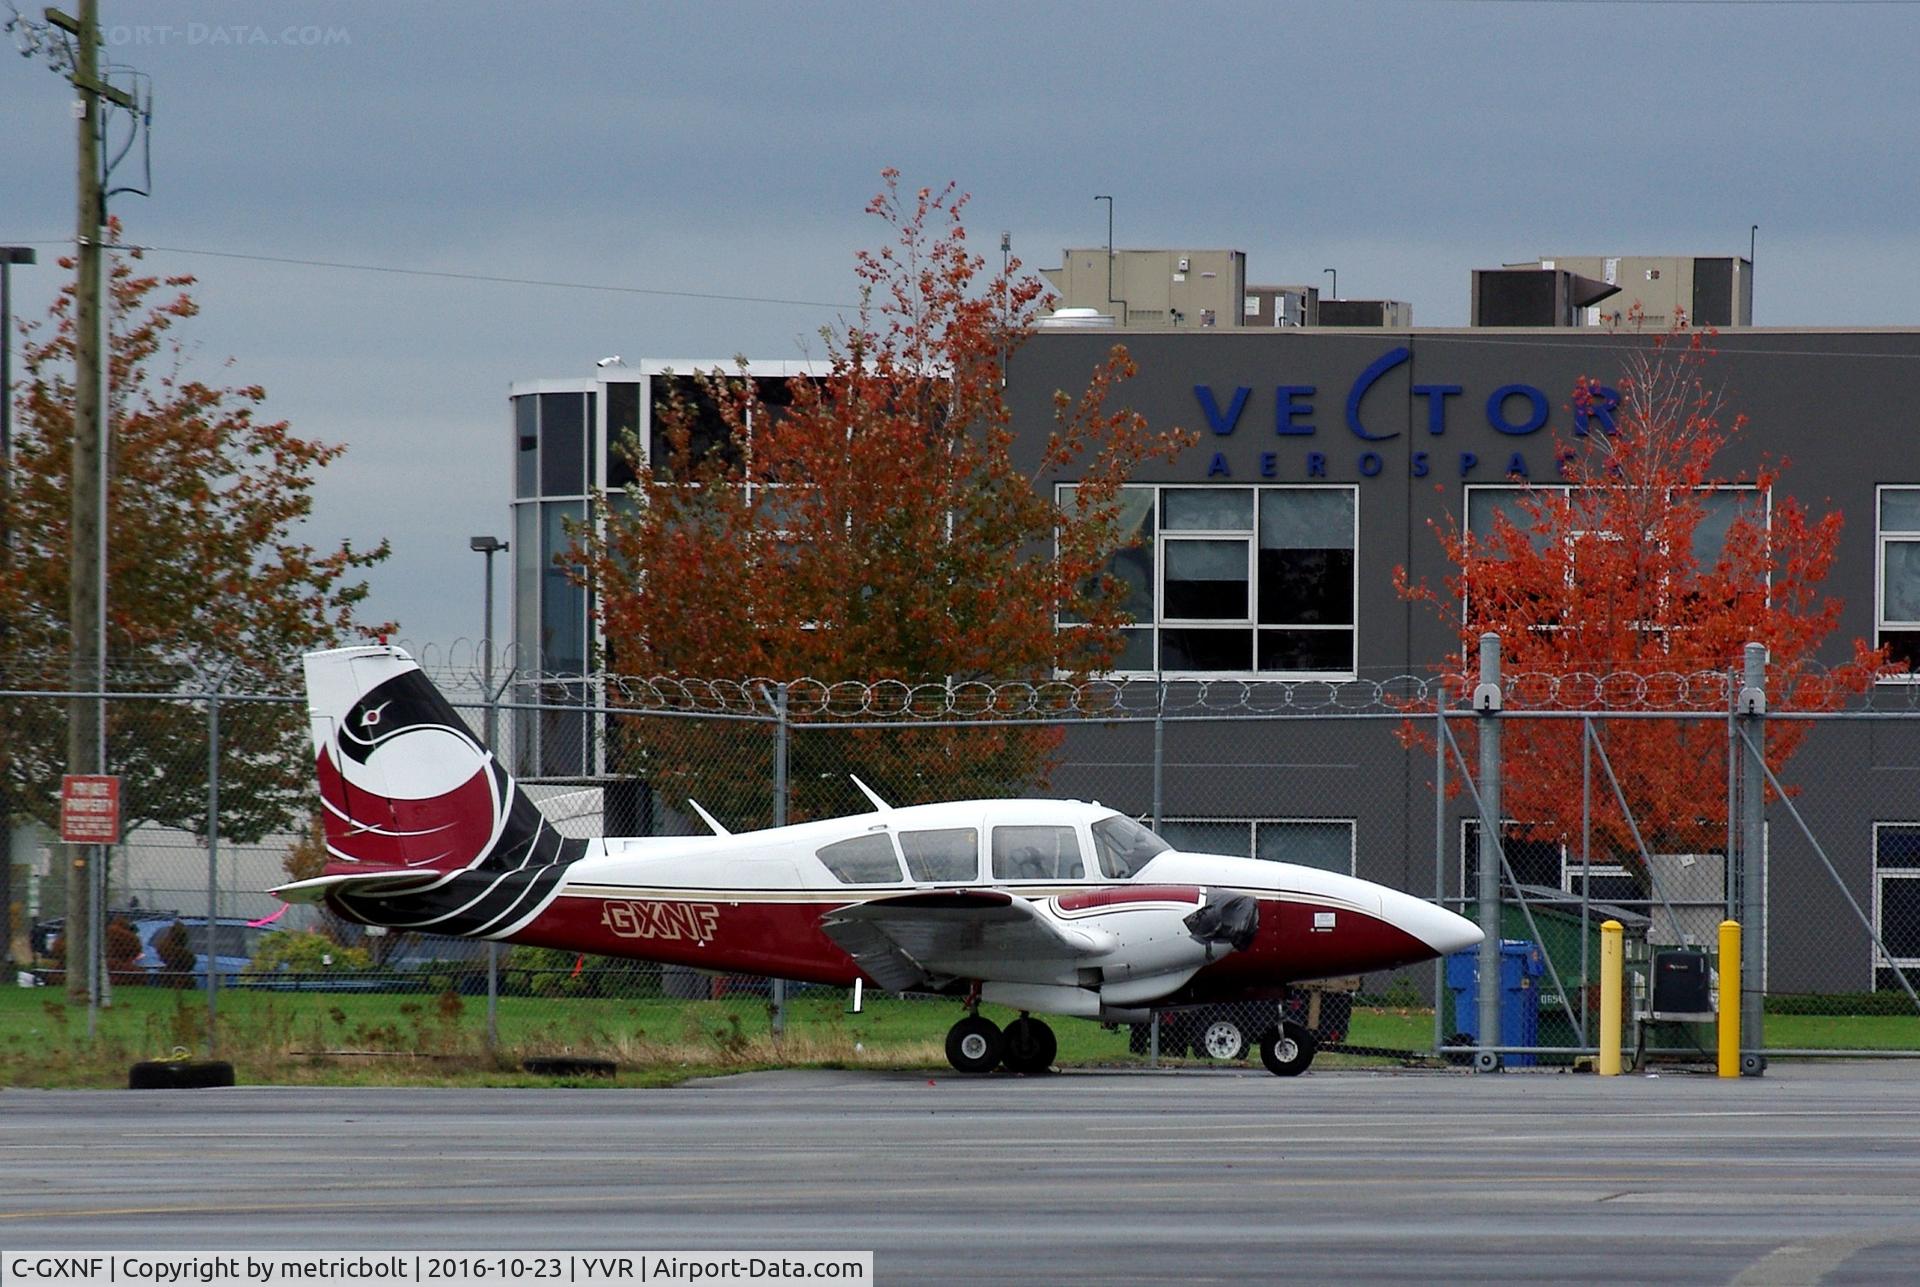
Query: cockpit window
column 951, row 854
column 863, row 860
column 1037, row 853
column 1124, row 846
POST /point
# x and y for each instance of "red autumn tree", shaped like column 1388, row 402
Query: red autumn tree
column 205, row 570
column 874, row 524
column 1635, row 586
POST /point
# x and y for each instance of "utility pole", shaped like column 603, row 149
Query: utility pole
column 9, row 256
column 87, row 531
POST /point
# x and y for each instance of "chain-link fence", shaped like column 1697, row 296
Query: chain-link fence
column 1634, row 798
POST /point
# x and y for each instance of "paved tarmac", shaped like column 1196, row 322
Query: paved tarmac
column 1811, row 1174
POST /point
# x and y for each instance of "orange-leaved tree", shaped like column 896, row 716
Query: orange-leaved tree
column 205, row 571
column 874, row 524
column 1634, row 584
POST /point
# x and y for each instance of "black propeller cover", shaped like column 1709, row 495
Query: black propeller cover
column 1232, row 919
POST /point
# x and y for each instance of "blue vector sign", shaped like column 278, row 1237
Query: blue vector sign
column 1515, row 410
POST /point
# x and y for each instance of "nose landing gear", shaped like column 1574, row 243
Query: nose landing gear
column 1288, row 1049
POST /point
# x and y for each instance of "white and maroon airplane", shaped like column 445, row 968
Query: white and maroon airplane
column 1050, row 906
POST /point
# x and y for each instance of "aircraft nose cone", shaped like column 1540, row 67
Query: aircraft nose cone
column 1440, row 929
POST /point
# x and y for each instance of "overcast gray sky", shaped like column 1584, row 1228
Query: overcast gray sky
column 728, row 149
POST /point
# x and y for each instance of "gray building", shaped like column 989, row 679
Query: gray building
column 1269, row 552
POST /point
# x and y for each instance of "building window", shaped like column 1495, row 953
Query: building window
column 1487, row 504
column 526, row 445
column 708, row 433
column 1536, row 863
column 1238, row 580
column 563, row 444
column 1896, row 898
column 1897, row 626
column 1326, row 843
column 623, row 428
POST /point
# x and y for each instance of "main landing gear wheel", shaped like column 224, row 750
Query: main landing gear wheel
column 1030, row 1046
column 1287, row 1050
column 1222, row 1039
column 975, row 1045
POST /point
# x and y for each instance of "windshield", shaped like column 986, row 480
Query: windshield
column 1124, row 846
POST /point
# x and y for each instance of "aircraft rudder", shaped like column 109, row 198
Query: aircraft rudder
column 404, row 783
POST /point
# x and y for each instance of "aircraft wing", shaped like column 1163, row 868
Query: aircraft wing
column 913, row 939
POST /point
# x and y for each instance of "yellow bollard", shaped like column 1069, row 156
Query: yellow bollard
column 1729, row 998
column 1612, row 976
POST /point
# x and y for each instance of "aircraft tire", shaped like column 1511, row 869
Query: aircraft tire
column 1030, row 1046
column 179, row 1074
column 975, row 1045
column 1288, row 1049
column 569, row 1066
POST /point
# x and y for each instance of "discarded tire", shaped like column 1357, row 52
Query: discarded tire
column 570, row 1066
column 179, row 1074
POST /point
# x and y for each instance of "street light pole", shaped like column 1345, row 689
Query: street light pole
column 1110, row 298
column 1336, row 282
column 490, row 546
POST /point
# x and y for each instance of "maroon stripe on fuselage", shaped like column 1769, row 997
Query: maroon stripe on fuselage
column 1120, row 895
column 784, row 939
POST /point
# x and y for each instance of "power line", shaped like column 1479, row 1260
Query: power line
column 1579, row 338
column 493, row 279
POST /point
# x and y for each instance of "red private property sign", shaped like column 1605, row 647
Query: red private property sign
column 89, row 809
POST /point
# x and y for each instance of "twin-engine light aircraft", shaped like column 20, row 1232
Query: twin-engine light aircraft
column 1044, row 906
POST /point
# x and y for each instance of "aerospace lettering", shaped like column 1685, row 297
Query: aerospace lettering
column 1512, row 410
column 667, row 921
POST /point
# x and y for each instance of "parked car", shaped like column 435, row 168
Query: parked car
column 234, row 942
column 1233, row 1030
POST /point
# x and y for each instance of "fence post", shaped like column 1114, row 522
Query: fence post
column 779, row 1007
column 1486, row 704
column 492, row 717
column 1159, row 748
column 1586, row 872
column 213, row 866
column 1753, row 861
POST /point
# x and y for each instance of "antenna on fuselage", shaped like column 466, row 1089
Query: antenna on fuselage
column 708, row 818
column 868, row 792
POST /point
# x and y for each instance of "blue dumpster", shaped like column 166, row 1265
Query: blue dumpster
column 1521, row 964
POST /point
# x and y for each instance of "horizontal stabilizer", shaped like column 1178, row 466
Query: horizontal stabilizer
column 312, row 891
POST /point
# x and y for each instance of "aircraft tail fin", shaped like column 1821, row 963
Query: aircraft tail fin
column 404, row 785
